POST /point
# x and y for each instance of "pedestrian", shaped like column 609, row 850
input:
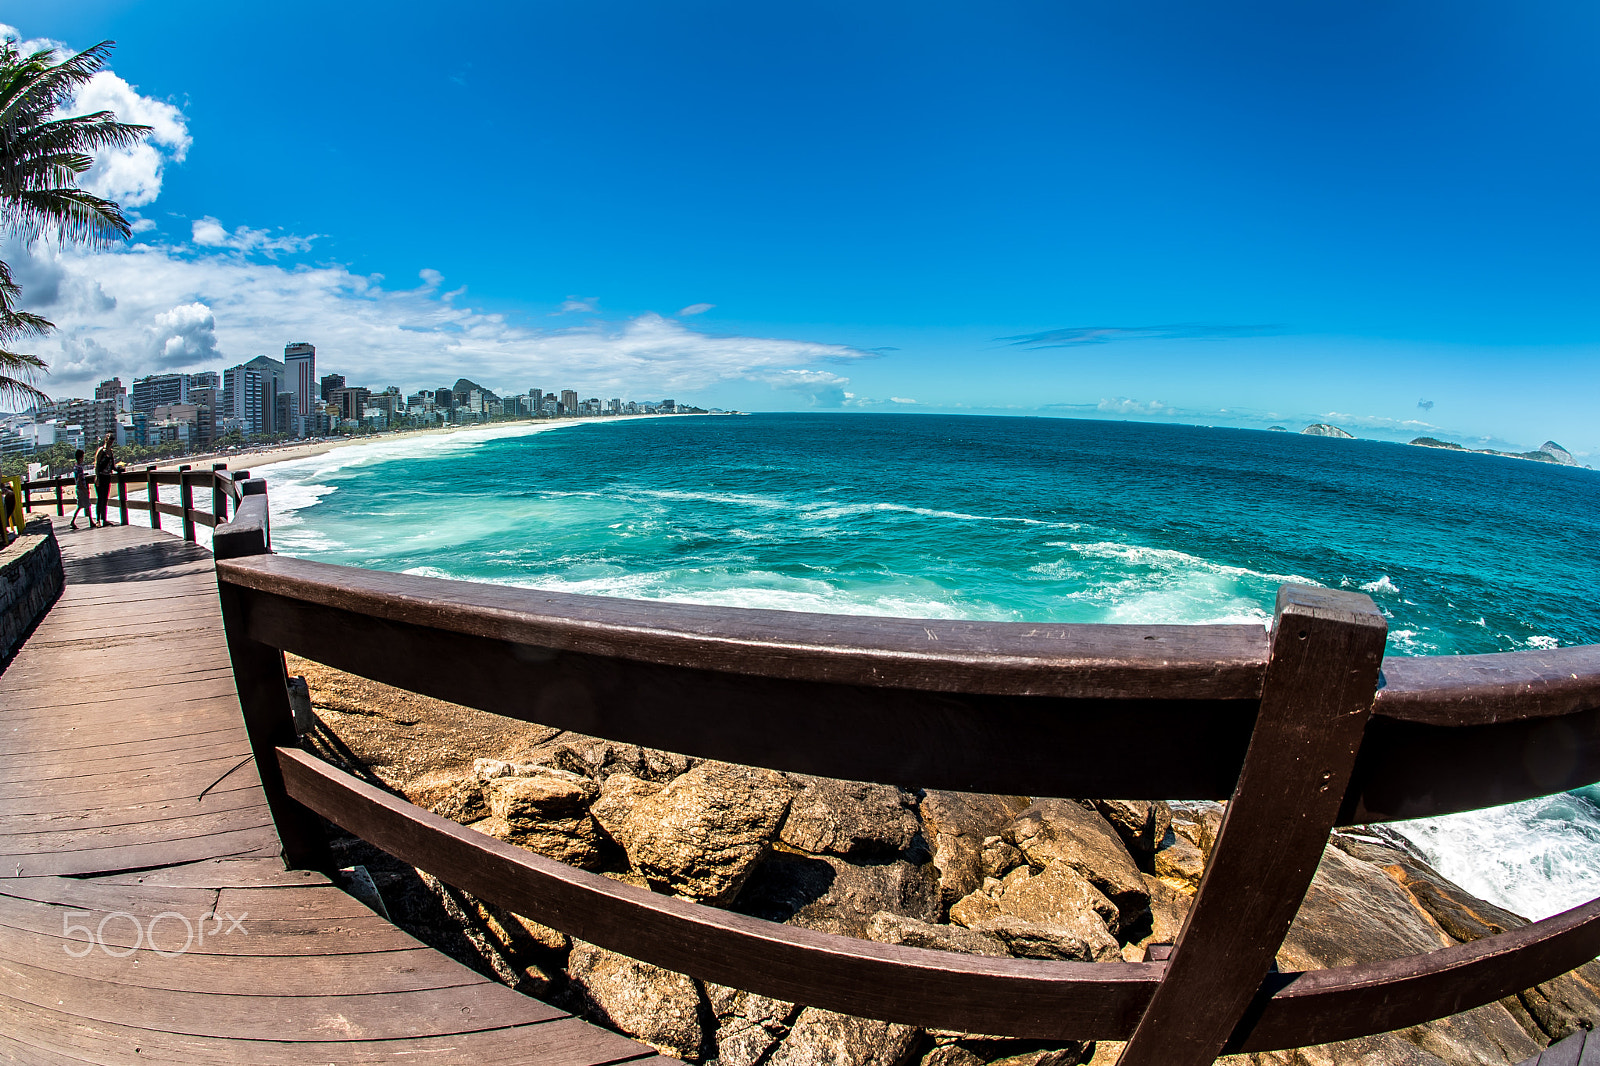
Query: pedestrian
column 105, row 462
column 8, row 506
column 80, row 481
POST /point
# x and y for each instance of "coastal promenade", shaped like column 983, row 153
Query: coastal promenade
column 145, row 915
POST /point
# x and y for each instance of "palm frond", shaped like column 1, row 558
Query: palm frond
column 17, row 374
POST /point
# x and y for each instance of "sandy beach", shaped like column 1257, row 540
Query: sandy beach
column 253, row 458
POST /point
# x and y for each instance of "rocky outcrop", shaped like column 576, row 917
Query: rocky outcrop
column 1322, row 429
column 701, row 834
column 657, row 1006
column 1059, row 879
column 849, row 819
column 1548, row 452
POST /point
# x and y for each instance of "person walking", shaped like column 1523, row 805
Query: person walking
column 80, row 481
column 105, row 462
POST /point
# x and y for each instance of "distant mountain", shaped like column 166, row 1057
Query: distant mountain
column 1549, row 451
column 1322, row 429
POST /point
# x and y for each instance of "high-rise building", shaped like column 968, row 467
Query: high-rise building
column 330, row 382
column 569, row 401
column 445, row 398
column 160, row 390
column 300, row 364
column 241, row 398
column 97, row 417
column 205, row 379
column 272, row 384
column 109, row 389
column 206, row 399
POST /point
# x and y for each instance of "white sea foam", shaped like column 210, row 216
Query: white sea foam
column 1382, row 584
column 1536, row 858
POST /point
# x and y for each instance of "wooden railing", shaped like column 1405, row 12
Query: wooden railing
column 62, row 494
column 1302, row 731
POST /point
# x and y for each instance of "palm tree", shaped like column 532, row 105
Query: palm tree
column 42, row 157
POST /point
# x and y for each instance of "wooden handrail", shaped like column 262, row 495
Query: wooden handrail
column 218, row 480
column 969, row 706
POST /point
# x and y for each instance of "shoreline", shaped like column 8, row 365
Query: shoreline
column 245, row 459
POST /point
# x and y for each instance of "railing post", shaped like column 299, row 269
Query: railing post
column 219, row 495
column 60, row 503
column 1321, row 676
column 261, row 679
column 186, row 502
column 122, row 495
column 152, row 495
column 27, row 495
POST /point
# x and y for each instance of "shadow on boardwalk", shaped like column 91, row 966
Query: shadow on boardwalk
column 144, row 913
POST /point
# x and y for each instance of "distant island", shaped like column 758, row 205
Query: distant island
column 1549, row 451
column 1322, row 429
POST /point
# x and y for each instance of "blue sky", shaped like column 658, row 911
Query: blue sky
column 1239, row 214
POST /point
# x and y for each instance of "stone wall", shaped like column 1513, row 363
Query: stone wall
column 30, row 581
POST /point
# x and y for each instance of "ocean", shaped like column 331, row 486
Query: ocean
column 1013, row 519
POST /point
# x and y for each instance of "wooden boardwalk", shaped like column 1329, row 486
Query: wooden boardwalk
column 144, row 914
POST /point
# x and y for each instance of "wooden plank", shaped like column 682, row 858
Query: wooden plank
column 562, row 1042
column 142, row 786
column 409, row 970
column 1024, row 997
column 166, row 815
column 396, row 1015
column 108, row 802
column 221, row 873
column 61, row 840
column 1327, row 647
column 258, row 840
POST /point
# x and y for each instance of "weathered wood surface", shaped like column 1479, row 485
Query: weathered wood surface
column 1317, row 695
column 115, row 716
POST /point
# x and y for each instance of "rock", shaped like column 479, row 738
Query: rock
column 1322, row 429
column 1169, row 907
column 748, row 1026
column 1000, row 1051
column 849, row 818
column 1553, row 1010
column 999, row 858
column 1198, row 823
column 599, row 759
column 1058, row 896
column 888, row 928
column 700, row 835
column 547, row 813
column 955, row 825
column 833, row 896
column 619, row 795
column 648, row 1003
column 823, row 1038
column 1355, row 913
column 1180, row 863
column 1061, row 831
column 1036, row 940
column 449, row 794
column 1142, row 824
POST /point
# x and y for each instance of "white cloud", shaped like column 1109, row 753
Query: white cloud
column 130, row 176
column 135, row 310
column 695, row 309
column 210, row 233
column 1124, row 406
column 583, row 304
column 185, row 336
column 900, row 399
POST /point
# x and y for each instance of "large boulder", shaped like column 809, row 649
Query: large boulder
column 701, row 834
column 1142, row 824
column 657, row 1006
column 956, row 825
column 831, row 895
column 888, row 928
column 822, row 1038
column 546, row 812
column 1057, row 898
column 748, row 1026
column 849, row 818
column 1063, row 831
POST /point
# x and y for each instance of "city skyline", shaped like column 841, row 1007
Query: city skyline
column 1251, row 217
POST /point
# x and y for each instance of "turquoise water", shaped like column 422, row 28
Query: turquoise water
column 1009, row 519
